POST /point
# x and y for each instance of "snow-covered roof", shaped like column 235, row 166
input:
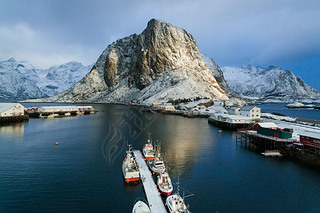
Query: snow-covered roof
column 247, row 108
column 6, row 106
column 268, row 125
column 239, row 117
column 58, row 107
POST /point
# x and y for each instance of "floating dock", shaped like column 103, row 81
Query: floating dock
column 153, row 196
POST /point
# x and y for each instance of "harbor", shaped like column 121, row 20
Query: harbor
column 153, row 196
column 208, row 163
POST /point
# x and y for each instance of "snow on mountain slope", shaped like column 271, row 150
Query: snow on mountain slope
column 270, row 84
column 234, row 98
column 21, row 80
column 161, row 64
column 56, row 79
column 15, row 84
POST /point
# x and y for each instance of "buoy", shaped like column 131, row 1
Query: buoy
column 57, row 143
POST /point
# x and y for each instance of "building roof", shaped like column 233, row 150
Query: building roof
column 240, row 117
column 234, row 108
column 247, row 108
column 6, row 106
column 268, row 125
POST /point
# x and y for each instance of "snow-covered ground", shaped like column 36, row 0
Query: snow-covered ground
column 299, row 128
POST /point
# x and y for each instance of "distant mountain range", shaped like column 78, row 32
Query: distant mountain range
column 19, row 80
column 271, row 84
column 162, row 64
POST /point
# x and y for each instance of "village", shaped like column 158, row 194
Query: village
column 266, row 133
column 269, row 134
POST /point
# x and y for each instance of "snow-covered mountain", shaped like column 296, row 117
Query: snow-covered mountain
column 15, row 84
column 163, row 63
column 57, row 79
column 269, row 84
column 20, row 80
column 234, row 98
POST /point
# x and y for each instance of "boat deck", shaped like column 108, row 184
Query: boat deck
column 153, row 196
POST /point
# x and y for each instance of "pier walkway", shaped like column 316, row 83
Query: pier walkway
column 154, row 199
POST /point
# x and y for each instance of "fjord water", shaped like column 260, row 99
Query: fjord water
column 306, row 113
column 83, row 173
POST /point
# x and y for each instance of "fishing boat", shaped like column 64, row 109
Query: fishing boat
column 141, row 207
column 147, row 150
column 130, row 169
column 157, row 165
column 164, row 184
column 175, row 202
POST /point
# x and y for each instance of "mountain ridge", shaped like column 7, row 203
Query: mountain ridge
column 161, row 64
column 20, row 80
column 271, row 84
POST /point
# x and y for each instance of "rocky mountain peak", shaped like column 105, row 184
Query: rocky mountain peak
column 163, row 63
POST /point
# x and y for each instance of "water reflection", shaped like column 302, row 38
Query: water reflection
column 16, row 129
column 182, row 140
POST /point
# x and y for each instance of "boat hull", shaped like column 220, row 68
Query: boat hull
column 141, row 207
column 148, row 158
column 164, row 192
column 131, row 180
column 130, row 176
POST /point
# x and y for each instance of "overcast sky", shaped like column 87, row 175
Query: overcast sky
column 234, row 33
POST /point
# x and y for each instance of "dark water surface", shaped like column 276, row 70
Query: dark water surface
column 313, row 114
column 83, row 173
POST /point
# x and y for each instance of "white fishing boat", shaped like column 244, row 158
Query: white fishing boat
column 175, row 202
column 164, row 184
column 157, row 165
column 147, row 150
column 141, row 207
column 130, row 169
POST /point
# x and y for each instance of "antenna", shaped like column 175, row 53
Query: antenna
column 149, row 137
column 178, row 189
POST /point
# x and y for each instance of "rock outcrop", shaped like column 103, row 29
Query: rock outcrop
column 161, row 64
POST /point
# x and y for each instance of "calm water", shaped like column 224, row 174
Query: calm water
column 300, row 113
column 83, row 173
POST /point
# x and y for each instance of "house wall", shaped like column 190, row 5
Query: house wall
column 310, row 142
column 16, row 110
column 274, row 133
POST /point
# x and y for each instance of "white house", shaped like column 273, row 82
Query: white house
column 11, row 109
column 167, row 107
column 251, row 111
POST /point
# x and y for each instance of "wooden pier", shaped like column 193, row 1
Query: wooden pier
column 13, row 119
column 252, row 138
column 153, row 196
column 226, row 125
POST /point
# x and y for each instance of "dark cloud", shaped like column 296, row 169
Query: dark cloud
column 232, row 32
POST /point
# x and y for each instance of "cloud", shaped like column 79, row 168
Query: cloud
column 24, row 43
column 232, row 32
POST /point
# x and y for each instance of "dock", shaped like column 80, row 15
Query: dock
column 249, row 138
column 153, row 196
